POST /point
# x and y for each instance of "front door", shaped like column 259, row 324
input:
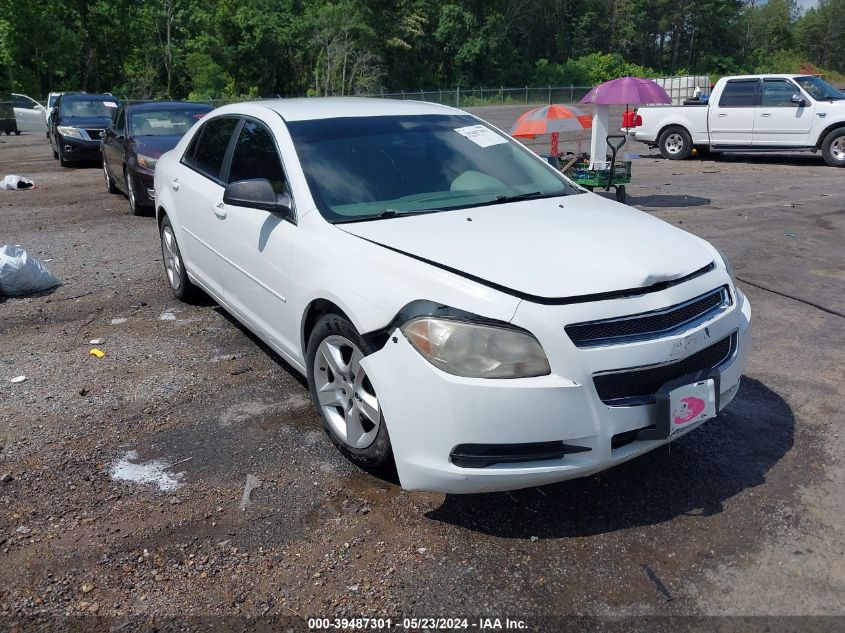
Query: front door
column 778, row 121
column 731, row 120
column 259, row 243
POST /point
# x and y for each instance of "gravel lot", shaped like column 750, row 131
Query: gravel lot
column 742, row 517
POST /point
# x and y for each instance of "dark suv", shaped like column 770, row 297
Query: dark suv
column 77, row 122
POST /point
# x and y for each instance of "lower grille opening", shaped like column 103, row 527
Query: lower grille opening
column 639, row 385
column 481, row 455
column 626, row 437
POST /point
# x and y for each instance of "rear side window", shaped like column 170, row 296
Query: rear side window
column 739, row 93
column 211, row 146
column 256, row 156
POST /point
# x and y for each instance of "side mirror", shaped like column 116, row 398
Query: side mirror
column 258, row 193
column 798, row 100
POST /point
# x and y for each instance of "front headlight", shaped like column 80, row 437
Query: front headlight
column 67, row 130
column 476, row 351
column 727, row 264
column 147, row 162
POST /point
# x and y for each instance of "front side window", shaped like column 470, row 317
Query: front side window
column 212, row 144
column 819, row 89
column 256, row 156
column 26, row 103
column 740, row 93
column 369, row 167
column 778, row 94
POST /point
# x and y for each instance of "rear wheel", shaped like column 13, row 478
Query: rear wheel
column 174, row 266
column 833, row 148
column 343, row 394
column 675, row 143
column 110, row 186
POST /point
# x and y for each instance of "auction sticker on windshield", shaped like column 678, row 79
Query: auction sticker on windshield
column 692, row 403
column 481, row 135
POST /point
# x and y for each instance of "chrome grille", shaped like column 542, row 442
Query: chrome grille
column 650, row 325
column 639, row 385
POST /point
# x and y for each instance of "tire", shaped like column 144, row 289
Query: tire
column 17, row 132
column 621, row 195
column 675, row 143
column 134, row 209
column 833, row 148
column 62, row 161
column 55, row 155
column 174, row 266
column 110, row 186
column 350, row 410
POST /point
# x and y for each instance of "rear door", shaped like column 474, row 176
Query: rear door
column 260, row 243
column 114, row 138
column 778, row 122
column 731, row 120
column 198, row 193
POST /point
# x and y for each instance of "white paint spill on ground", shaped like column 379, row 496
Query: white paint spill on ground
column 152, row 472
column 118, row 321
column 168, row 315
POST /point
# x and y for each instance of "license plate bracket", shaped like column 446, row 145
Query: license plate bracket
column 663, row 428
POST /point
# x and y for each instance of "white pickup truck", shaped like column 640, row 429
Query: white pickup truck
column 752, row 113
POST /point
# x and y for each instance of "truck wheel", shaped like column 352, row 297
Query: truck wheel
column 833, row 148
column 675, row 143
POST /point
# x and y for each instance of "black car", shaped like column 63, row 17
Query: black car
column 77, row 122
column 137, row 136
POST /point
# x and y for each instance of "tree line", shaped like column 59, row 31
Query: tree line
column 230, row 48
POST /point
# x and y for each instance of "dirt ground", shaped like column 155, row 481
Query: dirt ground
column 743, row 517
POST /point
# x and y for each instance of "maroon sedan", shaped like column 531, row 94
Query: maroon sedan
column 138, row 134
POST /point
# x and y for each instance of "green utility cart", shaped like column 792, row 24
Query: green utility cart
column 617, row 175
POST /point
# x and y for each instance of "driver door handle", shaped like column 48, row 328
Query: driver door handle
column 220, row 210
column 766, row 114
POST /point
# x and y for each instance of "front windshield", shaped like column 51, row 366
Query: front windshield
column 819, row 89
column 88, row 107
column 367, row 167
column 165, row 122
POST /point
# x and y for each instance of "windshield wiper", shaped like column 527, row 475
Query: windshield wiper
column 384, row 214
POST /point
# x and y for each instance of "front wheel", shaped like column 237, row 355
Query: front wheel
column 833, row 148
column 343, row 394
column 134, row 208
column 174, row 266
column 675, row 143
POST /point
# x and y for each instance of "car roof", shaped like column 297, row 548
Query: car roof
column 768, row 76
column 167, row 105
column 85, row 96
column 305, row 109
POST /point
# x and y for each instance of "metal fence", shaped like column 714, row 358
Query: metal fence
column 679, row 88
column 467, row 97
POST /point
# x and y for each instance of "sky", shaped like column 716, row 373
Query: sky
column 807, row 4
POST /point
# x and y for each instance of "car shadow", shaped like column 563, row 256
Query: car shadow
column 659, row 201
column 693, row 476
column 797, row 159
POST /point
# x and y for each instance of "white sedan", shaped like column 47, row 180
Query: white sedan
column 456, row 304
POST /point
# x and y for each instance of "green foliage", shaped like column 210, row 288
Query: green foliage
column 228, row 49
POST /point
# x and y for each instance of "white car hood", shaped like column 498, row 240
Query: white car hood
column 551, row 248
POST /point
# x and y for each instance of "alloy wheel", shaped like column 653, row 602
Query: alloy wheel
column 345, row 393
column 172, row 258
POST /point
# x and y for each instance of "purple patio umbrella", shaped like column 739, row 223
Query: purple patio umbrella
column 627, row 90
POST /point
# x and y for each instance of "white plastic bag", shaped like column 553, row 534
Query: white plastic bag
column 16, row 183
column 23, row 275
